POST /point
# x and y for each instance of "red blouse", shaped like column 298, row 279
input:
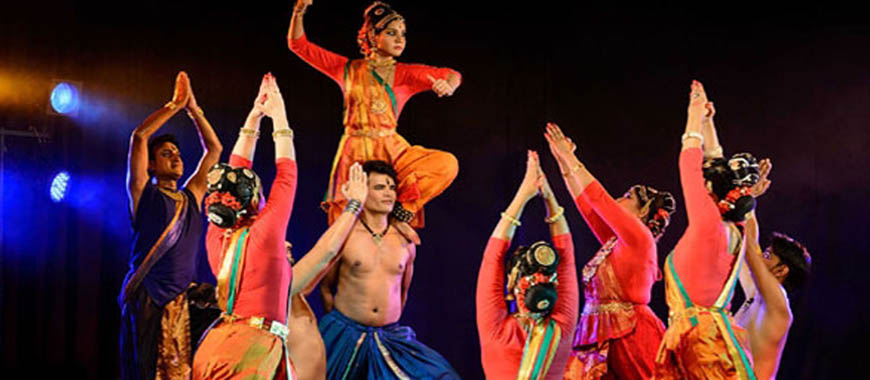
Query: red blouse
column 701, row 257
column 266, row 275
column 633, row 258
column 409, row 79
column 501, row 337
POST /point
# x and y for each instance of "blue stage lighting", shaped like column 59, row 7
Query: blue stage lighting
column 64, row 98
column 59, row 186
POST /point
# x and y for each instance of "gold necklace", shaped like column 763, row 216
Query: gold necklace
column 382, row 63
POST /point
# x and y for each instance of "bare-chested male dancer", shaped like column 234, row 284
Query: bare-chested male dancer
column 371, row 280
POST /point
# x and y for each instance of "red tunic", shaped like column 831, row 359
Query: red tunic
column 617, row 332
column 501, row 337
column 409, row 79
column 266, row 274
column 702, row 257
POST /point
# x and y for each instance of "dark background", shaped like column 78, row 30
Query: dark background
column 789, row 83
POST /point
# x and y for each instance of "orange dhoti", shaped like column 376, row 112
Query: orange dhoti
column 422, row 173
column 702, row 342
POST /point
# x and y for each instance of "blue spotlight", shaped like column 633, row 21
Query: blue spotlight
column 59, row 186
column 64, row 98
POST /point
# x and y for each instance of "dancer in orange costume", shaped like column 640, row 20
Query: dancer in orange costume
column 702, row 341
column 375, row 90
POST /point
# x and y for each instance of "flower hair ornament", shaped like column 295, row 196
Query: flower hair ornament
column 232, row 192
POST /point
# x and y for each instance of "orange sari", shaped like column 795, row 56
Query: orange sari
column 370, row 120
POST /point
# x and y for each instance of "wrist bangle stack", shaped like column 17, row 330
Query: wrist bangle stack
column 249, row 132
column 692, row 135
column 282, row 132
column 511, row 219
column 559, row 213
column 353, row 206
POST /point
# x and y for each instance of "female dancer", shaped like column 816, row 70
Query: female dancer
column 702, row 341
column 533, row 342
column 375, row 90
column 245, row 244
column 618, row 332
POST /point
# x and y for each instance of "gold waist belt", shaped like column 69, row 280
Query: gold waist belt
column 274, row 327
column 606, row 307
column 370, row 133
column 694, row 311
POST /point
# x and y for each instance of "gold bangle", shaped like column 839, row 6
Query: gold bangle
column 282, row 132
column 559, row 213
column 170, row 105
column 249, row 132
column 692, row 135
column 198, row 110
column 573, row 170
column 511, row 219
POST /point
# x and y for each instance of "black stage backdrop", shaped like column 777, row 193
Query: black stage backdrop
column 791, row 84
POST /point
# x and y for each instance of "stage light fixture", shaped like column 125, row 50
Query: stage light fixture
column 59, row 186
column 65, row 98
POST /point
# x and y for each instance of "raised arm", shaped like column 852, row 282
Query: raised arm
column 314, row 265
column 712, row 149
column 745, row 276
column 211, row 147
column 250, row 132
column 325, row 61
column 279, row 205
column 577, row 179
column 702, row 212
column 555, row 213
column 777, row 309
column 137, row 156
column 490, row 297
column 274, row 108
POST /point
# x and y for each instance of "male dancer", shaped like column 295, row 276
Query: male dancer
column 155, row 319
column 782, row 268
column 372, row 277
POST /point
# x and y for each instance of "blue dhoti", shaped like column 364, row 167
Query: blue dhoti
column 355, row 351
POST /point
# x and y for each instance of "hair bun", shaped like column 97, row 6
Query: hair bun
column 742, row 206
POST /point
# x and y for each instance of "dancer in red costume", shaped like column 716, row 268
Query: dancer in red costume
column 375, row 90
column 245, row 245
column 618, row 333
column 702, row 341
column 535, row 341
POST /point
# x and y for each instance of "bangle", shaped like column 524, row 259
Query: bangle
column 192, row 110
column 249, row 132
column 170, row 105
column 511, row 219
column 559, row 213
column 692, row 135
column 573, row 169
column 282, row 132
column 353, row 206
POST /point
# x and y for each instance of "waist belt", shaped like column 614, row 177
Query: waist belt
column 607, row 307
column 370, row 133
column 694, row 311
column 277, row 328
